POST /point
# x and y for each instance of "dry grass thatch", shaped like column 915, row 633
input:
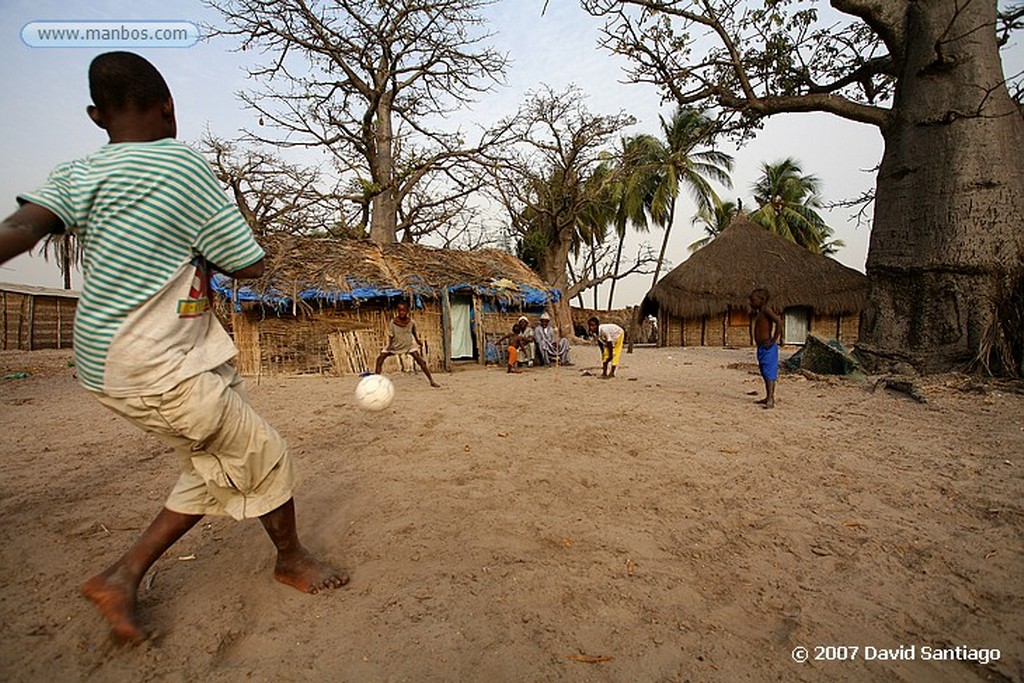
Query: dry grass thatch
column 310, row 269
column 745, row 256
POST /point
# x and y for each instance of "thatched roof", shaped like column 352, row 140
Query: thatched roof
column 309, row 269
column 745, row 256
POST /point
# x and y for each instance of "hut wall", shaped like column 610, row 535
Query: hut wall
column 693, row 332
column 845, row 328
column 825, row 326
column 246, row 332
column 737, row 329
column 732, row 329
column 479, row 336
column 37, row 321
column 500, row 322
column 715, row 329
column 737, row 337
column 330, row 340
column 675, row 333
column 849, row 329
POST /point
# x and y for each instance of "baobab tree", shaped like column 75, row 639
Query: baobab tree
column 947, row 241
column 363, row 81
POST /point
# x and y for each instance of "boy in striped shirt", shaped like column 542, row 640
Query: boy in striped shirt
column 153, row 222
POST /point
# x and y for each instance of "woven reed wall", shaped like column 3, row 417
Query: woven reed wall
column 329, row 340
column 737, row 327
column 692, row 331
column 849, row 329
column 36, row 321
column 675, row 332
column 500, row 323
column 734, row 330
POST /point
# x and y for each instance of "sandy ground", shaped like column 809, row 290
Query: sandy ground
column 547, row 526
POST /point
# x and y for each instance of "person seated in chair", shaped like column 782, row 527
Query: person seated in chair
column 527, row 350
column 550, row 347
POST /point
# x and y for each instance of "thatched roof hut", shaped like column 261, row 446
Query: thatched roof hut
column 716, row 280
column 323, row 305
column 319, row 270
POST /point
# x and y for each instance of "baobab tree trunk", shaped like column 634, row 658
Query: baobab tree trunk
column 384, row 218
column 553, row 269
column 948, row 234
column 384, row 207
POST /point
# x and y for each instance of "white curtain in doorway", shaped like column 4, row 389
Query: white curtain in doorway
column 462, row 333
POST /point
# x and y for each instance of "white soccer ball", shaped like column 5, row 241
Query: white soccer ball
column 375, row 392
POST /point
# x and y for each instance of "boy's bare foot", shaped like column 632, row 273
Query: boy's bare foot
column 116, row 602
column 308, row 574
column 769, row 403
column 435, row 385
column 763, row 401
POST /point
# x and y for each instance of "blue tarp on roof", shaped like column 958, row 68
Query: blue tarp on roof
column 520, row 294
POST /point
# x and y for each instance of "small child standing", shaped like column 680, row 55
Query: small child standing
column 766, row 328
column 515, row 342
column 402, row 338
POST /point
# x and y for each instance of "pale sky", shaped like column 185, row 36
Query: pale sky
column 43, row 122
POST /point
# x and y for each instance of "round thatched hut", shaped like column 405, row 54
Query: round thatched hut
column 703, row 302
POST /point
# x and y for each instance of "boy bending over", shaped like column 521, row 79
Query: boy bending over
column 609, row 339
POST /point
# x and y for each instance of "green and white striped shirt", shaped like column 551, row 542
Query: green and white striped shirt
column 147, row 214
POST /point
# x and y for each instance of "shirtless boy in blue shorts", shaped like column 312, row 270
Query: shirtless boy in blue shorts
column 153, row 221
column 767, row 330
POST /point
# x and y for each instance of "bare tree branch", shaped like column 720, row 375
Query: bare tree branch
column 643, row 264
column 361, row 80
column 752, row 60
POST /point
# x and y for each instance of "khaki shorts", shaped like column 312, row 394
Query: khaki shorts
column 232, row 461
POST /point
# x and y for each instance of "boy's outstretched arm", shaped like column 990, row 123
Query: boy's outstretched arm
column 23, row 229
column 250, row 272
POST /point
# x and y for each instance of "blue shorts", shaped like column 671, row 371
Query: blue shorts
column 768, row 361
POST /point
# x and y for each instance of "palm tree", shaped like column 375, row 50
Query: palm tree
column 787, row 205
column 66, row 249
column 653, row 171
column 715, row 219
column 632, row 192
column 681, row 162
column 604, row 186
column 829, row 246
